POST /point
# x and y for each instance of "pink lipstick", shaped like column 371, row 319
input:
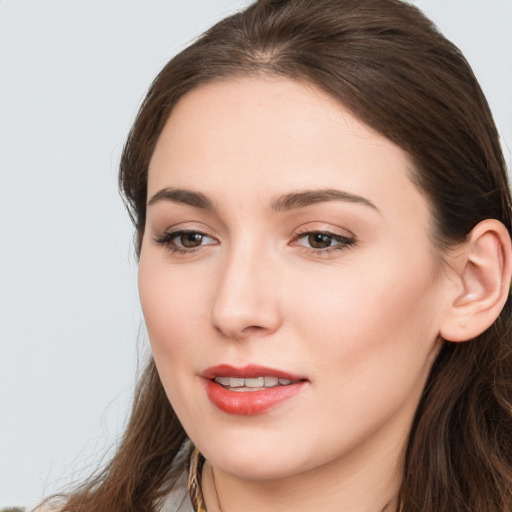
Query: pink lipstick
column 251, row 389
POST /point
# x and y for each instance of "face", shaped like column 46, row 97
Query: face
column 291, row 295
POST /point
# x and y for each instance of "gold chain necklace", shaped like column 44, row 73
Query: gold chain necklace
column 220, row 507
column 215, row 489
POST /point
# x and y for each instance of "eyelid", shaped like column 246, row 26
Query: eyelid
column 324, row 227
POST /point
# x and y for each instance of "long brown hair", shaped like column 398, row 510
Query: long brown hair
column 386, row 63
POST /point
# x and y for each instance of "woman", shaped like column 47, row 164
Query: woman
column 323, row 223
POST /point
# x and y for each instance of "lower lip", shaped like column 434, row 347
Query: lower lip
column 250, row 403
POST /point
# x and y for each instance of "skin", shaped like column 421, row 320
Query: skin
column 359, row 319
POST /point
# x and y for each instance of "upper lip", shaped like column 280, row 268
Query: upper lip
column 247, row 372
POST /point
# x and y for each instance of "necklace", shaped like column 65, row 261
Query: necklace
column 215, row 489
column 220, row 507
column 195, row 485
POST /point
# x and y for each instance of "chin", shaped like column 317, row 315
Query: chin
column 253, row 456
column 257, row 468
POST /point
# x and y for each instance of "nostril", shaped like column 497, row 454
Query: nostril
column 253, row 329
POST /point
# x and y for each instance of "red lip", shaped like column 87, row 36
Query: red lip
column 246, row 372
column 249, row 403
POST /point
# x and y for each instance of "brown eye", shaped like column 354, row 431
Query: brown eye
column 190, row 239
column 319, row 240
column 324, row 241
column 185, row 241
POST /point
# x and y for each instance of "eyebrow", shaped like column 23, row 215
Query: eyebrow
column 305, row 198
column 291, row 201
column 182, row 196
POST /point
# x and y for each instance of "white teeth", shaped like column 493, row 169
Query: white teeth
column 258, row 382
column 270, row 382
column 235, row 382
column 254, row 382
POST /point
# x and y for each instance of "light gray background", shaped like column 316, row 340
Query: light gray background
column 72, row 74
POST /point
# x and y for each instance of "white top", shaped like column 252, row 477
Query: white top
column 178, row 500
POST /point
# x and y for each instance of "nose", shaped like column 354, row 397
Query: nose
column 246, row 302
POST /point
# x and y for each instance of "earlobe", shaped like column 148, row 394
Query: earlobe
column 483, row 272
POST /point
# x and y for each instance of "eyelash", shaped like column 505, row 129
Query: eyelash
column 168, row 240
column 342, row 242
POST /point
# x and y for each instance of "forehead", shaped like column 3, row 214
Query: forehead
column 273, row 135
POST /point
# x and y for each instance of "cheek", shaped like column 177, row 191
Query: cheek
column 372, row 320
column 170, row 306
column 170, row 303
column 371, row 344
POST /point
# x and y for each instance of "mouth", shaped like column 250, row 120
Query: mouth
column 250, row 390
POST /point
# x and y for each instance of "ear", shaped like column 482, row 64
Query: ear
column 482, row 273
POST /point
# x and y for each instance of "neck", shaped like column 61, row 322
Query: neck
column 349, row 487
